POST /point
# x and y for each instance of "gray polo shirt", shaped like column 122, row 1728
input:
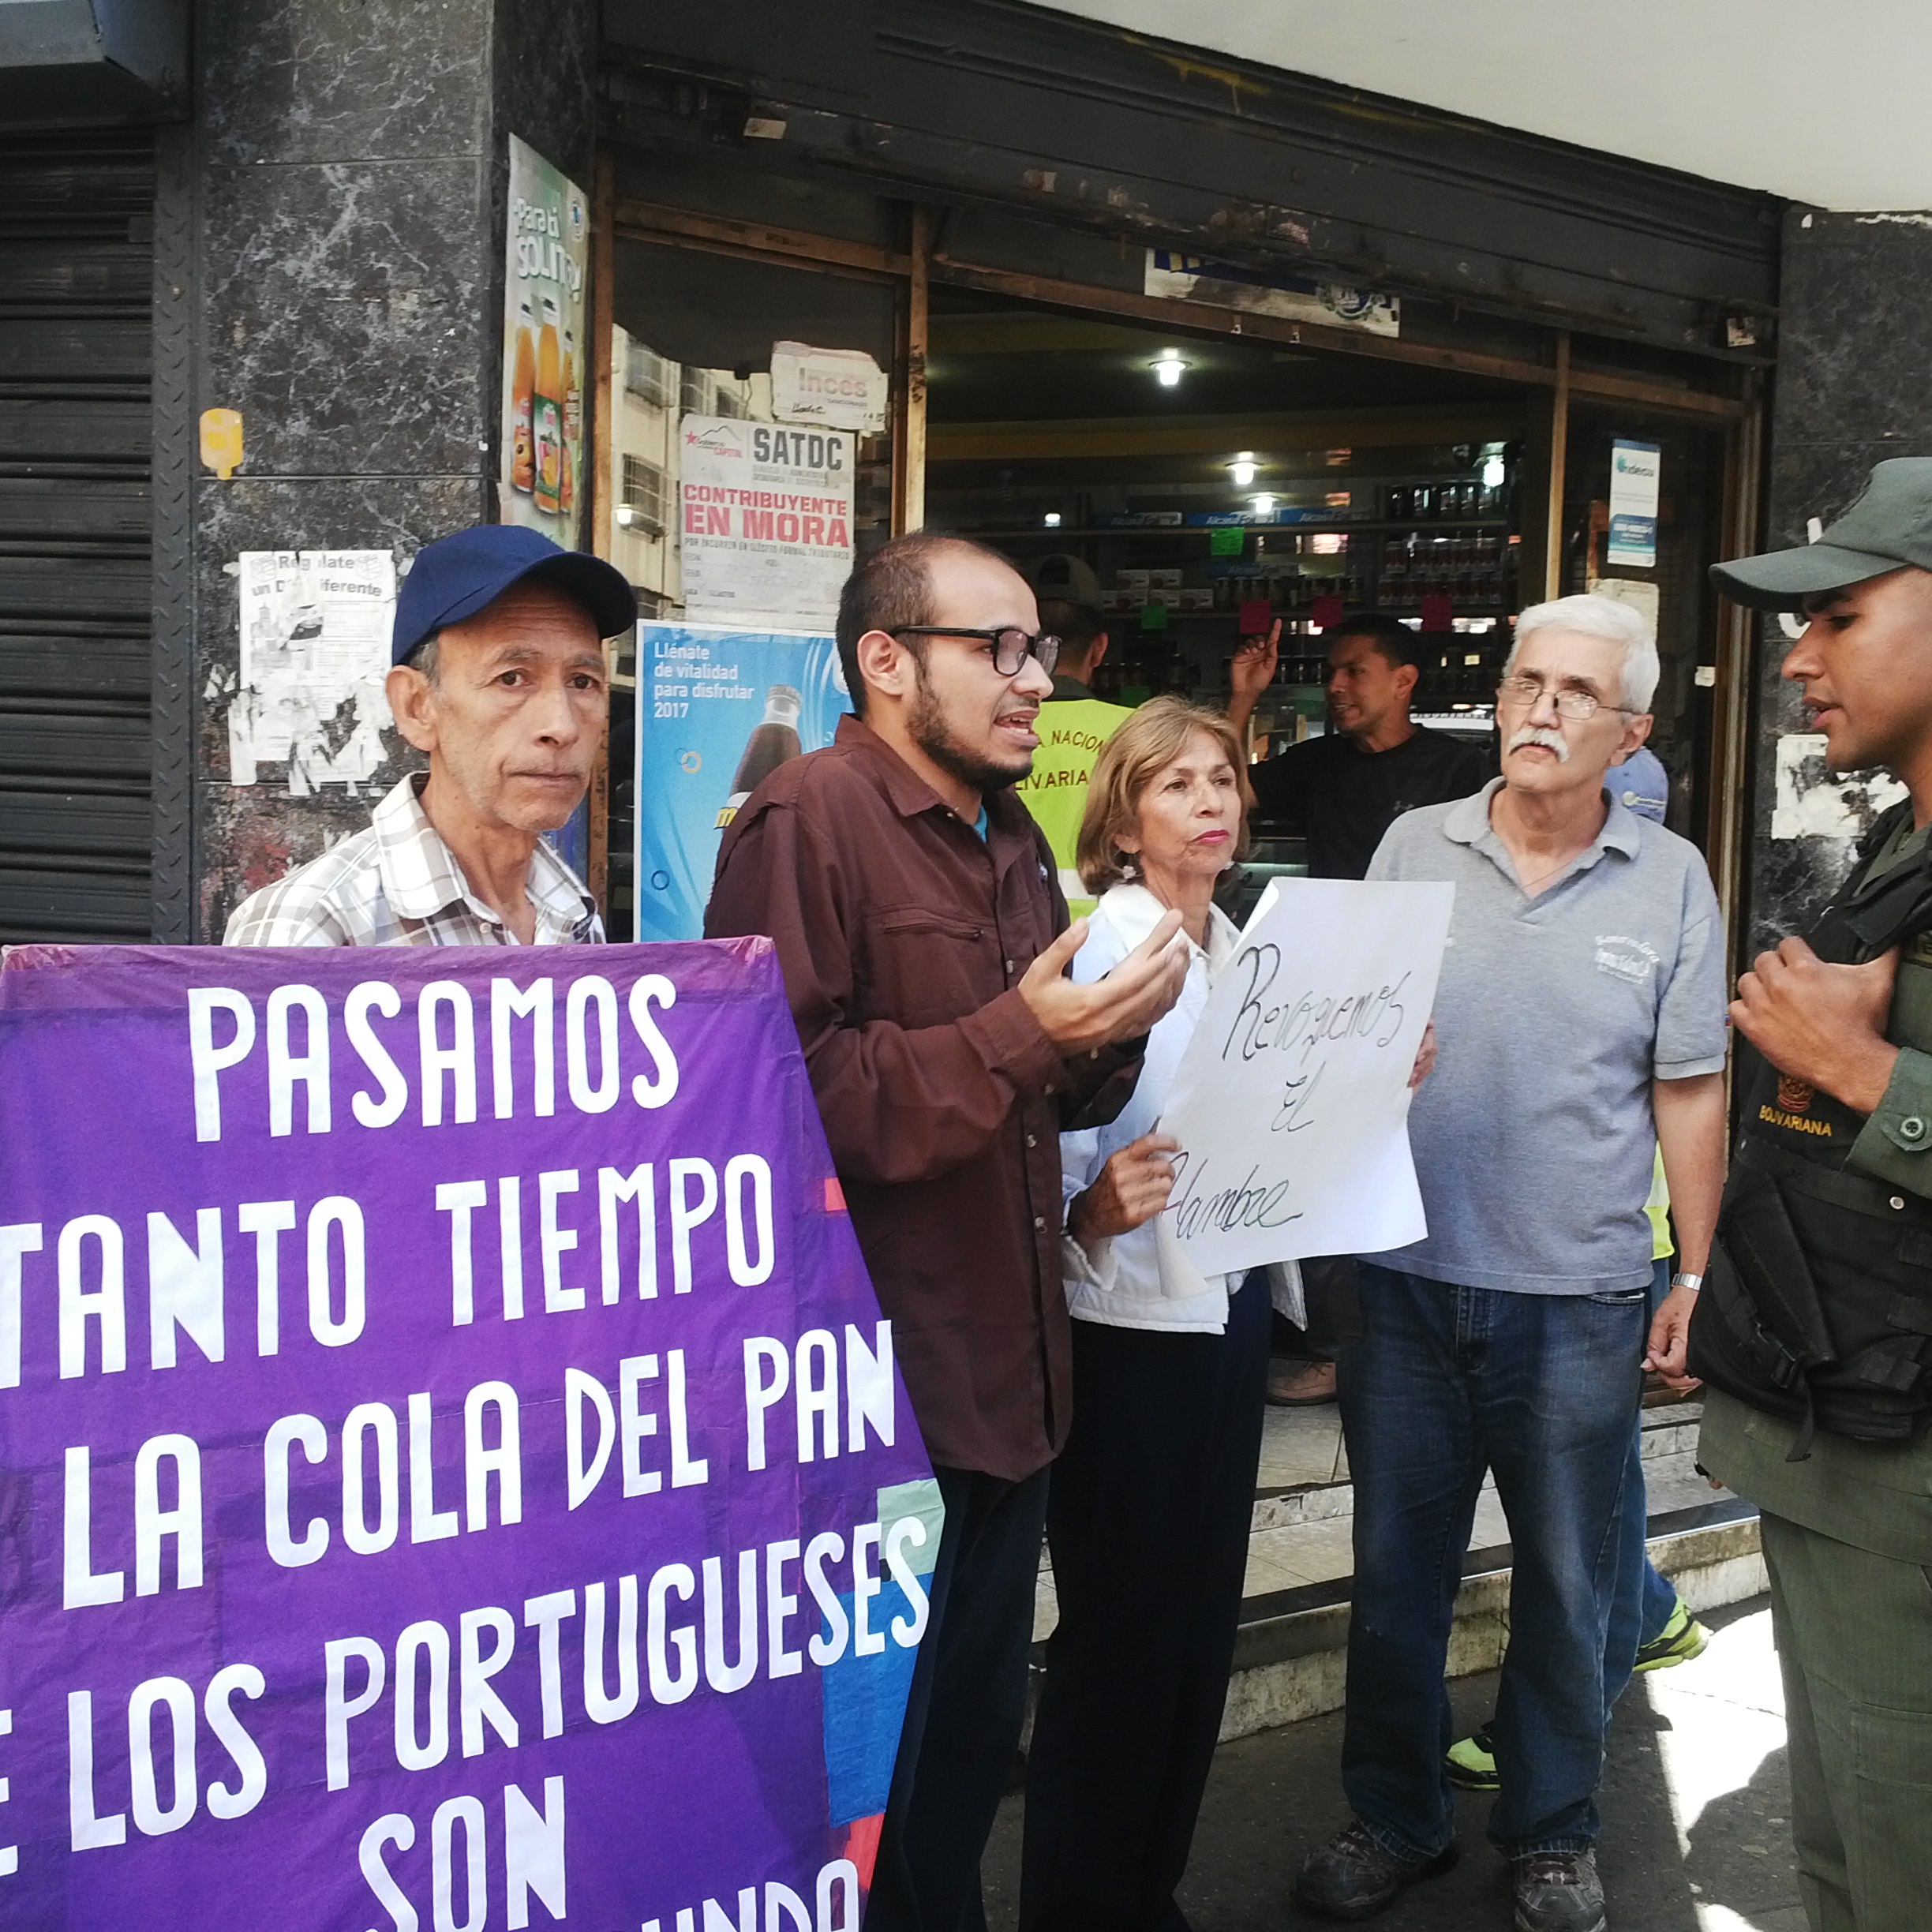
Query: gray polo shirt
column 1533, row 1137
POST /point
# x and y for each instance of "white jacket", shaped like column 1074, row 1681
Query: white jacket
column 1126, row 1281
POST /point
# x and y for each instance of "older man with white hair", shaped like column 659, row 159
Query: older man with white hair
column 1581, row 1017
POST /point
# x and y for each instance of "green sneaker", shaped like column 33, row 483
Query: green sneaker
column 1469, row 1763
column 1681, row 1639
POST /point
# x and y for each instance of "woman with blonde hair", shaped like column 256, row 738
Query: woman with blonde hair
column 1147, row 1515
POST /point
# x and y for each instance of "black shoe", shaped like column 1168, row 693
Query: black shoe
column 1354, row 1876
column 1558, row 1892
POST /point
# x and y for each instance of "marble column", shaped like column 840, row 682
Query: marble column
column 334, row 217
column 1855, row 340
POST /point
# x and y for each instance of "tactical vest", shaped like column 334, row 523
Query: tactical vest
column 1817, row 1305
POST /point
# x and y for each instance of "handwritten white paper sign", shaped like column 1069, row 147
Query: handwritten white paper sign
column 1291, row 1103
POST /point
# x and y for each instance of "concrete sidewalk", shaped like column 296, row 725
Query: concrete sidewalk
column 1695, row 1806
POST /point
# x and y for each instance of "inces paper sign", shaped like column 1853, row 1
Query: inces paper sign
column 839, row 388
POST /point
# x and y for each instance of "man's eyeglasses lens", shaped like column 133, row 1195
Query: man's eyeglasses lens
column 1574, row 704
column 1011, row 646
column 1010, row 649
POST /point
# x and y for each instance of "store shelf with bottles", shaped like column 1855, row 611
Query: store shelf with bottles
column 1457, row 691
column 1391, row 543
column 1476, row 570
column 1475, row 573
column 1370, row 507
column 1169, row 533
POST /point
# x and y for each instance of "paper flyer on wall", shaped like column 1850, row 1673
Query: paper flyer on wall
column 1635, row 476
column 718, row 711
column 541, row 476
column 838, row 388
column 765, row 518
column 314, row 628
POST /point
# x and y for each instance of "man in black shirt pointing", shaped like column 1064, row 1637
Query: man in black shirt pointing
column 1344, row 789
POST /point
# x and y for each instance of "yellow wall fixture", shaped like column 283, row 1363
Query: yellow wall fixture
column 221, row 441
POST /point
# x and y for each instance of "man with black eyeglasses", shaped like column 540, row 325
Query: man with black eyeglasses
column 1580, row 1021
column 924, row 942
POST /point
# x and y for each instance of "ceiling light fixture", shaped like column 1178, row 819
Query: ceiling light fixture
column 1263, row 505
column 1494, row 471
column 1242, row 470
column 1053, row 519
column 1169, row 366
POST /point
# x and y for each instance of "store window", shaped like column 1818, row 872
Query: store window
column 750, row 462
column 1217, row 485
column 1217, row 478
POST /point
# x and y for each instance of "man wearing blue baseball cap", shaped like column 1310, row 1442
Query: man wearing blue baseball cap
column 499, row 678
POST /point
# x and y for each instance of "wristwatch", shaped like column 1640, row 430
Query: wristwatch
column 1693, row 1283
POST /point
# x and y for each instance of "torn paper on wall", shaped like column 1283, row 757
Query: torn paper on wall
column 315, row 651
column 836, row 388
column 1811, row 801
column 1640, row 597
column 1277, row 292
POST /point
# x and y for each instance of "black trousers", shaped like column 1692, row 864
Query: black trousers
column 967, row 1701
column 1148, row 1525
column 1332, row 1302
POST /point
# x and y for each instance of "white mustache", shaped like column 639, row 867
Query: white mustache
column 1536, row 734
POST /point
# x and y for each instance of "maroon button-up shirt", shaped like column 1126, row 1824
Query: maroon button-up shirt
column 903, row 936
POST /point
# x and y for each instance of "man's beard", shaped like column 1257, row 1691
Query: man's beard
column 926, row 727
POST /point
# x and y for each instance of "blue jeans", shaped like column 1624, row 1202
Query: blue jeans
column 1543, row 1389
column 1642, row 1603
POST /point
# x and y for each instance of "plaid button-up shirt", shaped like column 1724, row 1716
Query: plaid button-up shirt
column 398, row 884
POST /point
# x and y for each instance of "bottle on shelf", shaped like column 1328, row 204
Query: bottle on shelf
column 523, row 387
column 547, row 413
column 573, row 425
column 1394, row 571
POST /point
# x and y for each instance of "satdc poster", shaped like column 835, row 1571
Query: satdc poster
column 718, row 711
column 541, row 483
column 765, row 521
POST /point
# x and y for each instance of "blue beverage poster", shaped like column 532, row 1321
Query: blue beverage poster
column 718, row 711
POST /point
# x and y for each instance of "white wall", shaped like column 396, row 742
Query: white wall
column 1823, row 101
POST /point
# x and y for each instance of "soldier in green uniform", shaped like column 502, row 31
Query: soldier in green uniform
column 1813, row 1330
column 1073, row 723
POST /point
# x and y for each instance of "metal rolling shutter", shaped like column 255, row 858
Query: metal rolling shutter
column 76, row 269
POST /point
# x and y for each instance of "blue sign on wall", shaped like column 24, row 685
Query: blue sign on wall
column 717, row 712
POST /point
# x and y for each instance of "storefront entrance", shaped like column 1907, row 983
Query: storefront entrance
column 1218, row 468
column 1428, row 369
column 1216, row 485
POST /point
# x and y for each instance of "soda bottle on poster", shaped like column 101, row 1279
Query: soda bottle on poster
column 773, row 742
column 546, row 413
column 573, row 422
column 523, row 386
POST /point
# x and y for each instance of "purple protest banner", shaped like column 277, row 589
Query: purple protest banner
column 453, row 1473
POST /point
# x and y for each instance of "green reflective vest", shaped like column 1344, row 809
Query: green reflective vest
column 1071, row 731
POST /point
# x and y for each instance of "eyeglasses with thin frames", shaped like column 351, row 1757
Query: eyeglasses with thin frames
column 1577, row 705
column 1011, row 646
